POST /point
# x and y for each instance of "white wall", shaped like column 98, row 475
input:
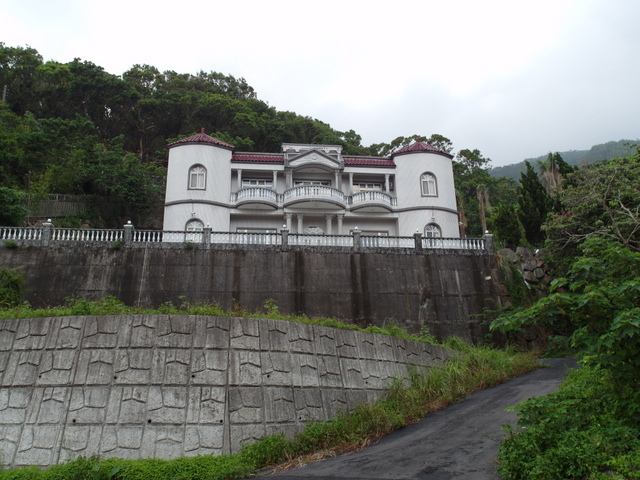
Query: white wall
column 217, row 162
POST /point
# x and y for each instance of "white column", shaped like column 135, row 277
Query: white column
column 327, row 228
column 288, row 217
column 340, row 224
column 351, row 184
column 337, row 179
column 300, row 222
column 386, row 182
column 275, row 180
column 239, row 179
column 289, row 178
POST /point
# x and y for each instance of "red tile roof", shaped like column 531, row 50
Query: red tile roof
column 419, row 147
column 202, row 138
column 369, row 161
column 257, row 157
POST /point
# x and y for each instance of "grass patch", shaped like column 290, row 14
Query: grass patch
column 112, row 306
column 475, row 368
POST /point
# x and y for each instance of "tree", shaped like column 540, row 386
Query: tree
column 440, row 142
column 598, row 298
column 553, row 171
column 506, row 225
column 17, row 74
column 534, row 204
column 469, row 160
column 12, row 212
column 600, row 199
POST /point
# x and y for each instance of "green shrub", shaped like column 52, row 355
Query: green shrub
column 574, row 433
column 11, row 287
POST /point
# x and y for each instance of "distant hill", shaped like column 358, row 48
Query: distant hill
column 604, row 151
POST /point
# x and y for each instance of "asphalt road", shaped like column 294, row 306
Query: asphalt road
column 459, row 442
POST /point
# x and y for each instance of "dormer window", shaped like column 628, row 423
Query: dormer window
column 429, row 185
column 197, row 177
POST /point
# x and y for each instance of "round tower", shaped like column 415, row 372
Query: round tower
column 425, row 191
column 198, row 184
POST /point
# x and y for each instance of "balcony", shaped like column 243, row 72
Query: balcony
column 315, row 197
column 372, row 201
column 319, row 197
column 256, row 198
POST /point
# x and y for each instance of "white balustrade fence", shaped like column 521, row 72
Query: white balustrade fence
column 86, row 235
column 387, row 242
column 300, row 239
column 20, row 233
column 48, row 234
column 373, row 197
column 314, row 191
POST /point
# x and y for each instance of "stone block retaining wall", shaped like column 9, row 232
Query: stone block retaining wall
column 136, row 386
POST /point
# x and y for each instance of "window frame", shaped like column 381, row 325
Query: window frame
column 191, row 234
column 267, row 183
column 312, row 183
column 199, row 171
column 428, row 178
column 435, row 228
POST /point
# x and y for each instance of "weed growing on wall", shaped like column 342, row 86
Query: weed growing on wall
column 112, row 306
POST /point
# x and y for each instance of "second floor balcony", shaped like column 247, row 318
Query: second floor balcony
column 315, row 196
column 312, row 196
column 372, row 201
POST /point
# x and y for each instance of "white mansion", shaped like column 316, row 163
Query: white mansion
column 311, row 189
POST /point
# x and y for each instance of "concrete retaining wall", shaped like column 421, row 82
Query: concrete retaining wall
column 442, row 290
column 136, row 386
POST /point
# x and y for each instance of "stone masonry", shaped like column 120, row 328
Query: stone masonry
column 139, row 386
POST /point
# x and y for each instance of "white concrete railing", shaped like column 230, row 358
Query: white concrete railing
column 320, row 240
column 20, row 233
column 311, row 192
column 129, row 236
column 373, row 197
column 86, row 235
column 243, row 238
column 387, row 242
column 255, row 193
column 454, row 243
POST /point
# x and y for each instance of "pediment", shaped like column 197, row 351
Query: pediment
column 315, row 158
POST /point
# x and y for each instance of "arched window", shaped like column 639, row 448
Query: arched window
column 429, row 185
column 197, row 177
column 432, row 231
column 194, row 230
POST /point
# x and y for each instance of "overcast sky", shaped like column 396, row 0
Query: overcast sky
column 513, row 79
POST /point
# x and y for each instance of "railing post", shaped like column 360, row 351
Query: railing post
column 128, row 234
column 285, row 236
column 417, row 238
column 206, row 237
column 47, row 233
column 357, row 239
column 488, row 242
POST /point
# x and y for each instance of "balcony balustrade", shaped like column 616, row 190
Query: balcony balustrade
column 312, row 193
column 373, row 198
column 255, row 193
